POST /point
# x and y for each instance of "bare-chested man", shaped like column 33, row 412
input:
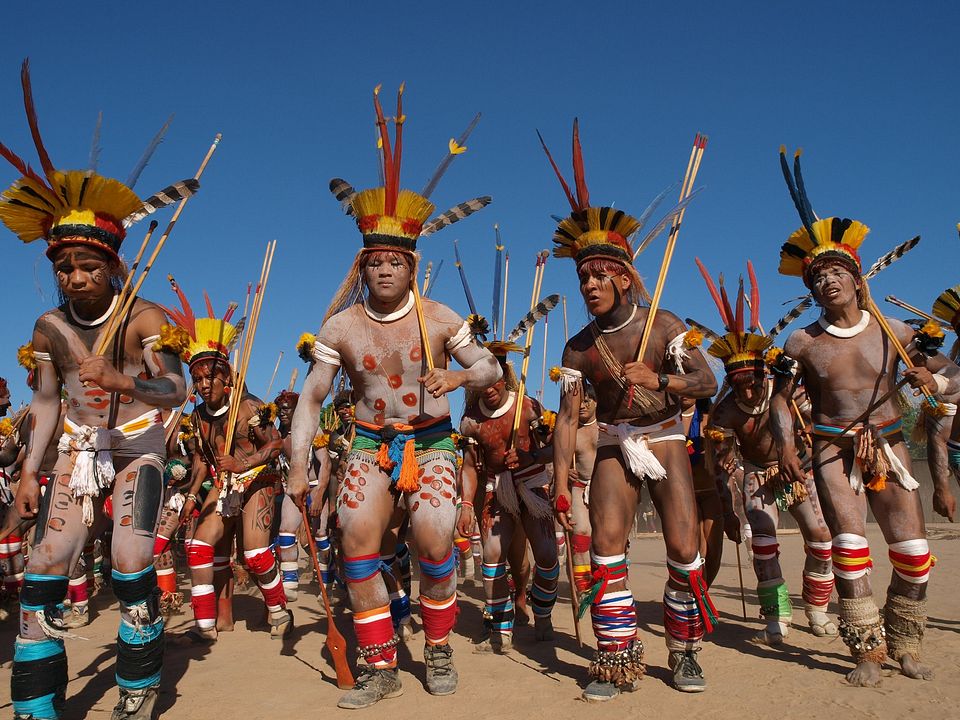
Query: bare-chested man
column 112, row 438
column 584, row 457
column 640, row 438
column 246, row 479
column 516, row 493
column 403, row 447
column 848, row 363
column 288, row 549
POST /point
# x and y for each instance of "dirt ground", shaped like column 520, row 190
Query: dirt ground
column 248, row 675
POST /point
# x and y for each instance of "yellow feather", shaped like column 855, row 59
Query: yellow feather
column 456, row 149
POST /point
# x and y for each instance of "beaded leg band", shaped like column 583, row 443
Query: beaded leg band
column 368, row 651
column 904, row 622
column 619, row 667
column 862, row 631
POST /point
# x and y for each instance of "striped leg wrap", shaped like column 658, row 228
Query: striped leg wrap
column 911, row 560
column 263, row 565
column 323, row 557
column 439, row 617
column 544, row 591
column 204, row 604
column 140, row 639
column 775, row 600
column 498, row 612
column 38, row 681
column 851, row 556
column 765, row 548
column 438, row 570
column 817, row 589
column 691, row 575
column 289, row 551
column 375, row 637
column 77, row 591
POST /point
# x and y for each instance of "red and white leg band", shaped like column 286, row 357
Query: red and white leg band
column 199, row 555
column 765, row 547
column 438, row 618
column 822, row 551
column 10, row 546
column 911, row 560
column 817, row 589
column 851, row 556
column 167, row 580
column 262, row 564
column 204, row 604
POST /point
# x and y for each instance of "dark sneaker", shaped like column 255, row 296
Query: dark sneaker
column 373, row 685
column 599, row 691
column 441, row 674
column 135, row 704
column 687, row 673
column 281, row 625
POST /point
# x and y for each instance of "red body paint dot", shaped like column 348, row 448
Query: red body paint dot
column 362, row 482
column 379, row 404
column 416, row 354
column 435, row 502
column 354, row 473
column 379, row 418
column 438, row 469
column 425, row 496
column 445, row 494
column 413, row 508
column 410, row 399
column 395, row 381
column 369, row 363
column 352, row 504
column 359, row 496
column 364, row 467
column 435, row 485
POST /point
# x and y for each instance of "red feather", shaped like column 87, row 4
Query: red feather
column 185, row 319
column 31, row 110
column 579, row 177
column 399, row 148
column 563, row 183
column 21, row 166
column 390, row 195
column 728, row 323
column 206, row 299
column 231, row 308
column 754, row 298
column 713, row 292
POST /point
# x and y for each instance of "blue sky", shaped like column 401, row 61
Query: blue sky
column 865, row 88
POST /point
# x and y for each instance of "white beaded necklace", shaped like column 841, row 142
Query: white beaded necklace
column 845, row 332
column 100, row 320
column 392, row 316
column 621, row 326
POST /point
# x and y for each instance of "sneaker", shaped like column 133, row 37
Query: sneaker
column 442, row 676
column 372, row 685
column 494, row 642
column 135, row 704
column 600, row 691
column 78, row 617
column 687, row 673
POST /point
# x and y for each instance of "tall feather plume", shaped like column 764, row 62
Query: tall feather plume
column 791, row 315
column 456, row 148
column 652, row 207
column 95, row 144
column 184, row 318
column 727, row 308
column 738, row 322
column 343, row 192
column 579, row 176
column 754, row 299
column 891, row 257
column 456, row 213
column 801, row 188
column 390, row 190
column 159, row 200
column 206, row 299
column 563, row 183
column 713, row 293
column 22, row 167
column 398, row 148
column 707, row 332
column 31, row 111
column 463, row 280
column 532, row 317
column 795, row 194
column 147, row 154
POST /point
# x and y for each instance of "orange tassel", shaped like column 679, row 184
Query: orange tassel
column 409, row 480
column 877, row 483
column 383, row 458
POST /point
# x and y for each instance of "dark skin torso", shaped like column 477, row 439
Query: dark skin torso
column 493, row 434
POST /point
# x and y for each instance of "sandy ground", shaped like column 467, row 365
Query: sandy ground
column 248, row 675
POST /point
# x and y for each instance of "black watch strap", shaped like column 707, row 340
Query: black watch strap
column 663, row 382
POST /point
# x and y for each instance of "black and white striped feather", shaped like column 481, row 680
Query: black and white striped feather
column 455, row 214
column 159, row 200
column 344, row 193
column 891, row 257
column 532, row 317
column 707, row 332
column 792, row 315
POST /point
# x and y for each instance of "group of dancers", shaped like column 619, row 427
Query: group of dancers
column 109, row 473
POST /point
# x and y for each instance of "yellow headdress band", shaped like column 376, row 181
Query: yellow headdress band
column 947, row 306
column 210, row 338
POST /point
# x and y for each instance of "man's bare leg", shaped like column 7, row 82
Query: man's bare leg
column 499, row 609
column 519, row 565
column 581, row 538
column 258, row 508
column 710, row 512
column 818, row 579
column 543, row 543
column 214, row 534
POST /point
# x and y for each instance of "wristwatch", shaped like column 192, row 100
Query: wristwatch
column 664, row 380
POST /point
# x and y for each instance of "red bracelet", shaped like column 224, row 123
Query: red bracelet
column 561, row 503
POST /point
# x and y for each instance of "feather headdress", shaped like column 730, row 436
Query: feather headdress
column 210, row 338
column 742, row 347
column 389, row 217
column 73, row 207
column 832, row 238
column 947, row 306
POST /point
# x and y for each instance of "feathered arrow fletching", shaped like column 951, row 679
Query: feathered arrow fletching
column 707, row 332
column 532, row 317
column 796, row 312
column 169, row 195
column 891, row 257
column 343, row 192
column 454, row 214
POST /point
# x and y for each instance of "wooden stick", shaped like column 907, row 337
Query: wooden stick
column 574, row 595
column 895, row 341
column 426, row 278
column 543, row 363
column 335, row 642
column 424, row 337
column 521, row 390
column 175, row 419
column 274, row 376
column 743, row 597
column 566, row 333
column 122, row 295
column 693, row 167
column 917, row 311
column 122, row 312
column 506, row 282
column 293, row 379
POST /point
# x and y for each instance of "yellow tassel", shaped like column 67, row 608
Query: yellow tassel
column 409, row 480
